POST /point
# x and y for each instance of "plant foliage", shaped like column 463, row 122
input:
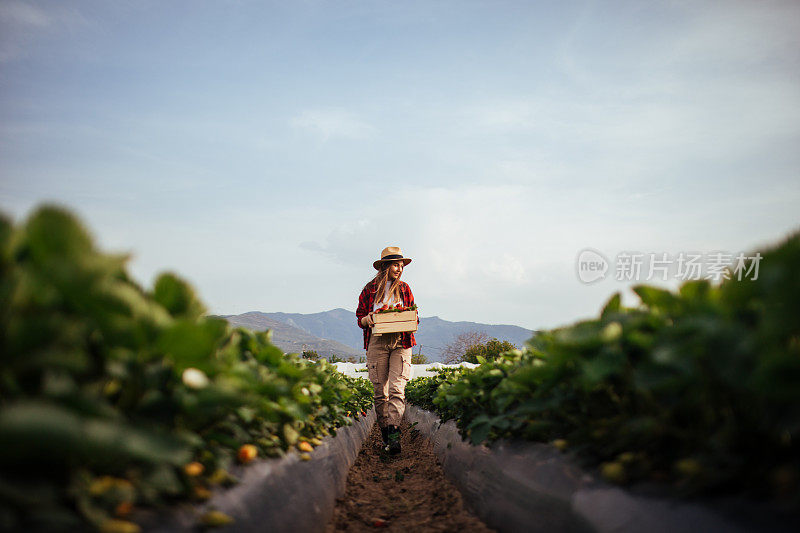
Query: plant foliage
column 108, row 391
column 699, row 387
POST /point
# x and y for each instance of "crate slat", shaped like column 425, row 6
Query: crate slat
column 394, row 327
column 395, row 322
column 396, row 316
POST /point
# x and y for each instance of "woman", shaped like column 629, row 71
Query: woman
column 388, row 354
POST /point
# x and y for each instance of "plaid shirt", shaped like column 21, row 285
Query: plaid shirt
column 365, row 303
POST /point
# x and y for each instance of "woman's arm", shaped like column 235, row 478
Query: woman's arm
column 363, row 309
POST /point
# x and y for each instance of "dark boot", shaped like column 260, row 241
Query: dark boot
column 385, row 435
column 394, row 440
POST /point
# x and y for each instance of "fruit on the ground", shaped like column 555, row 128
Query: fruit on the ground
column 201, row 493
column 379, row 522
column 103, row 484
column 303, row 446
column 305, row 457
column 215, row 518
column 247, row 452
column 194, row 469
column 688, row 467
column 123, row 509
column 613, row 471
column 626, row 458
column 220, row 477
column 560, row 444
column 119, row 526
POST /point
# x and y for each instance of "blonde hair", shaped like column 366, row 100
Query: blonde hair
column 381, row 279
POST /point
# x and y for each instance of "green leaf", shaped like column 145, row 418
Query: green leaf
column 192, row 344
column 177, row 297
column 54, row 232
column 37, row 433
column 479, row 429
column 612, row 305
column 656, row 298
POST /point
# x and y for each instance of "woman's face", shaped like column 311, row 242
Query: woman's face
column 395, row 269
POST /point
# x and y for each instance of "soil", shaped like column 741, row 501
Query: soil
column 406, row 492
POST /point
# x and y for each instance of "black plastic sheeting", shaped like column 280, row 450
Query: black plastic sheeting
column 518, row 486
column 277, row 495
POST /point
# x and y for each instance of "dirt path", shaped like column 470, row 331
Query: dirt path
column 407, row 492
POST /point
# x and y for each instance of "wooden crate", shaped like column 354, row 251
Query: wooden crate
column 395, row 322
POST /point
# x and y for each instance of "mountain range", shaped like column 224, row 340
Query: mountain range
column 336, row 332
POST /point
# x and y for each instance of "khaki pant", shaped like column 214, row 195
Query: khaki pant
column 389, row 369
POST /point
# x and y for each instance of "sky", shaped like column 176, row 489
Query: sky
column 268, row 151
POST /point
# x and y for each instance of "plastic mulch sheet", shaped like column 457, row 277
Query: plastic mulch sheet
column 278, row 495
column 528, row 487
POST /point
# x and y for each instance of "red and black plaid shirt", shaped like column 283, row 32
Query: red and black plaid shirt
column 365, row 303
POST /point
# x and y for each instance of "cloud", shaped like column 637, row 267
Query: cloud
column 506, row 268
column 482, row 234
column 23, row 14
column 22, row 23
column 332, row 123
column 351, row 242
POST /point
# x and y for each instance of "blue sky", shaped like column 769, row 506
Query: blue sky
column 267, row 151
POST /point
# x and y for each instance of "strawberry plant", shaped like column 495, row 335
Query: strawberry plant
column 699, row 387
column 113, row 396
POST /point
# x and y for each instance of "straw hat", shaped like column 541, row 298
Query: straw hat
column 391, row 253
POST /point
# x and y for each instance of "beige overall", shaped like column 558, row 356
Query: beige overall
column 389, row 369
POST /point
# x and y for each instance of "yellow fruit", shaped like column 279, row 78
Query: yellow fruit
column 688, row 467
column 119, row 526
column 611, row 332
column 201, row 493
column 560, row 444
column 626, row 458
column 303, row 446
column 247, row 453
column 112, row 387
column 305, row 457
column 193, row 469
column 613, row 472
column 103, row 484
column 290, row 434
column 215, row 518
column 219, row 477
column 206, row 455
column 315, row 441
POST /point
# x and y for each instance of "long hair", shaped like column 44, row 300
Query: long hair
column 379, row 282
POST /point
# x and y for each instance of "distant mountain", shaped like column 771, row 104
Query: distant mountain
column 435, row 333
column 290, row 338
column 336, row 331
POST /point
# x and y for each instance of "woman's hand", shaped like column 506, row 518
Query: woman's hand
column 368, row 321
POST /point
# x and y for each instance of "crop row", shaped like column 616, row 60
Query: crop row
column 697, row 389
column 114, row 397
